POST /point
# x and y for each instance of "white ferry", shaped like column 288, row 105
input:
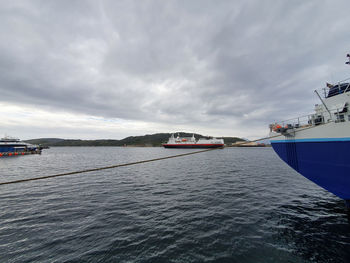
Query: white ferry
column 191, row 142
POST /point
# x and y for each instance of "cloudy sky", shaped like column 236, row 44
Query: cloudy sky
column 110, row 69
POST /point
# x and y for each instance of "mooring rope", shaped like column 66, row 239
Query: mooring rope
column 103, row 168
column 138, row 162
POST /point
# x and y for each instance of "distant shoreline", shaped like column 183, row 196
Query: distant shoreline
column 149, row 140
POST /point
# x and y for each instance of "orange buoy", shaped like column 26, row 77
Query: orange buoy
column 0, row 154
column 22, row 153
column 10, row 154
column 16, row 153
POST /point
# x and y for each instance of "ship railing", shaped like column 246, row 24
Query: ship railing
column 335, row 115
column 335, row 88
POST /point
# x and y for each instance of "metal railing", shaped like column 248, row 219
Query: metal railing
column 335, row 115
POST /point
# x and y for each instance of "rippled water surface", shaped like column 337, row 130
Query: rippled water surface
column 230, row 205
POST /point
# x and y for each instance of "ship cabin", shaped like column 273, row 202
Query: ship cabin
column 334, row 107
column 179, row 139
column 337, row 89
column 334, row 104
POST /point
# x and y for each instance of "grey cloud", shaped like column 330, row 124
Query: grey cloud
column 172, row 62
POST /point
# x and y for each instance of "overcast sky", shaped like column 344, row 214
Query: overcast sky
column 111, row 69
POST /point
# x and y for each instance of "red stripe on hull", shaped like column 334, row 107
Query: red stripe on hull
column 187, row 145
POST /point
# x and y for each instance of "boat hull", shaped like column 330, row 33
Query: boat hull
column 325, row 161
column 191, row 146
column 11, row 147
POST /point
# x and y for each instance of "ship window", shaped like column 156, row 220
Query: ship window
column 340, row 117
column 338, row 89
column 319, row 120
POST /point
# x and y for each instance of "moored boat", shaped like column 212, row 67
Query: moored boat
column 318, row 145
column 192, row 142
column 13, row 146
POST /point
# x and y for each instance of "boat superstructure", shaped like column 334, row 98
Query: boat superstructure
column 192, row 142
column 318, row 145
column 14, row 146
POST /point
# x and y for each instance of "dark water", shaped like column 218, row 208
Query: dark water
column 231, row 205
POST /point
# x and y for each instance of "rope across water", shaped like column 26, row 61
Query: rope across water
column 128, row 164
column 102, row 168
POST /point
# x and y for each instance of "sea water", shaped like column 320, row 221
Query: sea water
column 226, row 205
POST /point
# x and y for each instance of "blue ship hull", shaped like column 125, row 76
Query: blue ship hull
column 18, row 147
column 326, row 162
column 9, row 148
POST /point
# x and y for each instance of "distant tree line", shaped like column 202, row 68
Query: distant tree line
column 154, row 140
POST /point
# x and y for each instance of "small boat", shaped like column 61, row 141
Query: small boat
column 192, row 142
column 14, row 146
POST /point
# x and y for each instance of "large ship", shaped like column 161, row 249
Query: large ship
column 318, row 145
column 192, row 142
column 12, row 146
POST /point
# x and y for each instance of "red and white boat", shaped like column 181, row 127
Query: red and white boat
column 191, row 142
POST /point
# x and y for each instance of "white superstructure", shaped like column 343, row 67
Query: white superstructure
column 191, row 142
